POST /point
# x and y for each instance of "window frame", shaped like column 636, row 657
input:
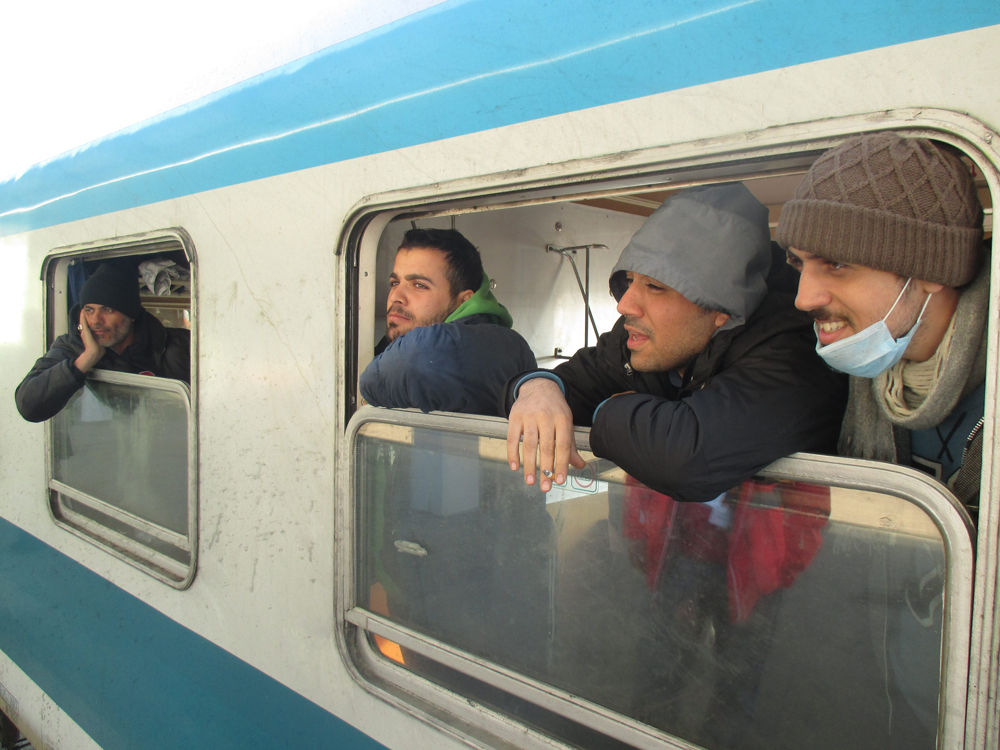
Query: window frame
column 675, row 166
column 947, row 513
column 142, row 557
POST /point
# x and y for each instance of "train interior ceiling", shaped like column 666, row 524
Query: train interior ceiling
column 529, row 251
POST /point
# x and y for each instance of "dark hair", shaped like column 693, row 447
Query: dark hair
column 465, row 267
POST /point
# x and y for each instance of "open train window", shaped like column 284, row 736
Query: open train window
column 822, row 603
column 121, row 452
column 549, row 259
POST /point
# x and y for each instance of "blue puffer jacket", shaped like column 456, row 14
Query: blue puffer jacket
column 460, row 365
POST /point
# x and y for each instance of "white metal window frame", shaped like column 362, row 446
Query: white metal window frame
column 740, row 156
column 145, row 558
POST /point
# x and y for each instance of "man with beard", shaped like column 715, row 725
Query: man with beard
column 109, row 330
column 708, row 376
column 886, row 233
column 714, row 377
column 449, row 345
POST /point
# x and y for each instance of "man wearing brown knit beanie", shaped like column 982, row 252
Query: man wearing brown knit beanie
column 886, row 232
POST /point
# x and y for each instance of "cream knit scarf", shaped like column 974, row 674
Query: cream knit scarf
column 923, row 398
column 908, row 384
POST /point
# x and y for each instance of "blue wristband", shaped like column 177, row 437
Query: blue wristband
column 594, row 417
column 540, row 374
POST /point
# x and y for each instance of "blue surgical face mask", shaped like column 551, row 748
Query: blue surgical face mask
column 873, row 350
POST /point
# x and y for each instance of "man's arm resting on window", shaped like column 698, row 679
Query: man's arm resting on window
column 49, row 385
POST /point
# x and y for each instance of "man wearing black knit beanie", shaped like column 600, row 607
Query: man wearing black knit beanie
column 109, row 330
column 886, row 232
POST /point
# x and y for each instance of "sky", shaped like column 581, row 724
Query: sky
column 73, row 72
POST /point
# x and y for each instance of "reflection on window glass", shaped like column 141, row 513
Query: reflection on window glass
column 126, row 446
column 781, row 614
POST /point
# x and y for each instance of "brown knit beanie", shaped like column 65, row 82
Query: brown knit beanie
column 904, row 205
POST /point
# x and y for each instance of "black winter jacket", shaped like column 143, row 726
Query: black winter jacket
column 754, row 394
column 46, row 389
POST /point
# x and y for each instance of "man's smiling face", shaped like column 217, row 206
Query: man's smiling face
column 845, row 299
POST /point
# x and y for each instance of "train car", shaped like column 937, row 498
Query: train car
column 255, row 558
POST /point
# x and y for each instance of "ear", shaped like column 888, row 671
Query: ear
column 465, row 296
column 930, row 287
column 720, row 319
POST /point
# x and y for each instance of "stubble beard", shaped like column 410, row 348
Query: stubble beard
column 676, row 354
column 394, row 330
column 114, row 336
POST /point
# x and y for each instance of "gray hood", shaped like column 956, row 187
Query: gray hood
column 711, row 244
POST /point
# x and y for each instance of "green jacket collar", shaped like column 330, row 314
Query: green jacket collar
column 482, row 302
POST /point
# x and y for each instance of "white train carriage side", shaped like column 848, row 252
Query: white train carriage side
column 204, row 564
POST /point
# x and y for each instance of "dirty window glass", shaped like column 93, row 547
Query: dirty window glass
column 128, row 447
column 120, row 462
column 782, row 614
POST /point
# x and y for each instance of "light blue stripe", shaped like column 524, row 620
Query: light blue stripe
column 458, row 68
column 133, row 678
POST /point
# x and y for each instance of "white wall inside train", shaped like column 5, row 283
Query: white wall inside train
column 539, row 288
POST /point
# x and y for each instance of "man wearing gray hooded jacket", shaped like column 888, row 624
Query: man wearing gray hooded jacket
column 714, row 376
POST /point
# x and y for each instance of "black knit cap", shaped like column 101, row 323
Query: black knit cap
column 115, row 288
column 904, row 205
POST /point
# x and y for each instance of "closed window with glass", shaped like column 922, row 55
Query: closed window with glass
column 802, row 608
column 122, row 468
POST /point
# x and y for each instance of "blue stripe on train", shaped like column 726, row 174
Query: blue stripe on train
column 132, row 677
column 458, row 68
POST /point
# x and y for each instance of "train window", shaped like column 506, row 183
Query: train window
column 824, row 602
column 122, row 469
column 549, row 261
column 802, row 608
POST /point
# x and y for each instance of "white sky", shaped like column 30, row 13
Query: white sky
column 75, row 71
